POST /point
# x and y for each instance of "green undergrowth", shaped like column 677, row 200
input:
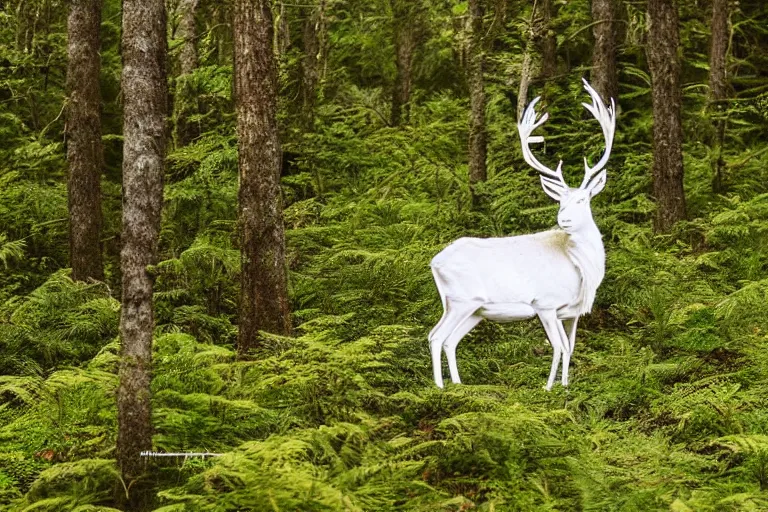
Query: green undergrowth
column 666, row 409
column 667, row 406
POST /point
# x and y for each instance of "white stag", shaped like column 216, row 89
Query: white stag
column 552, row 274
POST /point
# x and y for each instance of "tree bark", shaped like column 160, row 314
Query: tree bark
column 718, row 86
column 664, row 63
column 145, row 106
column 187, row 32
column 548, row 43
column 405, row 34
column 185, row 96
column 85, row 153
column 527, row 68
column 605, row 78
column 264, row 294
column 313, row 35
column 475, row 70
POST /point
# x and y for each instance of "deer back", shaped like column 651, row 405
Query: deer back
column 532, row 269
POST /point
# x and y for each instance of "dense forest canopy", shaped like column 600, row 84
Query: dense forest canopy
column 393, row 127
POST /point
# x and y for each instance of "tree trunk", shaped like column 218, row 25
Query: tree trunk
column 85, row 153
column 187, row 32
column 548, row 43
column 185, row 96
column 718, row 86
column 527, row 69
column 145, row 97
column 664, row 63
column 475, row 70
column 604, row 76
column 404, row 23
column 314, row 30
column 264, row 293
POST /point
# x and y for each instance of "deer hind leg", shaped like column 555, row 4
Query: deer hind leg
column 450, row 344
column 454, row 315
column 552, row 326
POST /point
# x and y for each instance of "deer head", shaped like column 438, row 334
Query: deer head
column 575, row 211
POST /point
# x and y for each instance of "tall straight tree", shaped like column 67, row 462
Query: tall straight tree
column 85, row 153
column 264, row 291
column 145, row 93
column 664, row 62
column 548, row 42
column 475, row 70
column 604, row 76
column 313, row 39
column 406, row 22
column 185, row 97
column 718, row 85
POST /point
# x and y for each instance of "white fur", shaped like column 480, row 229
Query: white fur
column 552, row 274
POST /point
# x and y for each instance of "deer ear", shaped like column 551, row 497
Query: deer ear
column 597, row 184
column 552, row 188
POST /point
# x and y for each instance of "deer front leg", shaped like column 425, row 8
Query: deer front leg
column 566, row 352
column 572, row 322
column 552, row 327
column 570, row 340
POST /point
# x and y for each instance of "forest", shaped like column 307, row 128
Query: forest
column 216, row 226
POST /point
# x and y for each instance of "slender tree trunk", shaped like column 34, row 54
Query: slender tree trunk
column 475, row 70
column 283, row 35
column 185, row 96
column 526, row 72
column 664, row 63
column 144, row 133
column 187, row 32
column 718, row 86
column 85, row 153
column 605, row 78
column 404, row 23
column 548, row 42
column 314, row 30
column 264, row 293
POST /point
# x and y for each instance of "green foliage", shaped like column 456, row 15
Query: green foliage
column 666, row 410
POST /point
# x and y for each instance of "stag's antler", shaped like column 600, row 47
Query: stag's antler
column 606, row 116
column 552, row 181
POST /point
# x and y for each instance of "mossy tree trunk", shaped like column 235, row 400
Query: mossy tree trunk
column 604, row 76
column 264, row 294
column 313, row 37
column 718, row 86
column 145, row 97
column 664, row 63
column 475, row 69
column 185, row 96
column 85, row 153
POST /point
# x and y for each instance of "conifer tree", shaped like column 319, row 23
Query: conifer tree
column 407, row 34
column 664, row 62
column 475, row 69
column 185, row 102
column 264, row 294
column 718, row 85
column 548, row 42
column 312, row 39
column 145, row 94
column 604, row 76
column 85, row 153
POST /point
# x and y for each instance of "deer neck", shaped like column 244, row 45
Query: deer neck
column 586, row 252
